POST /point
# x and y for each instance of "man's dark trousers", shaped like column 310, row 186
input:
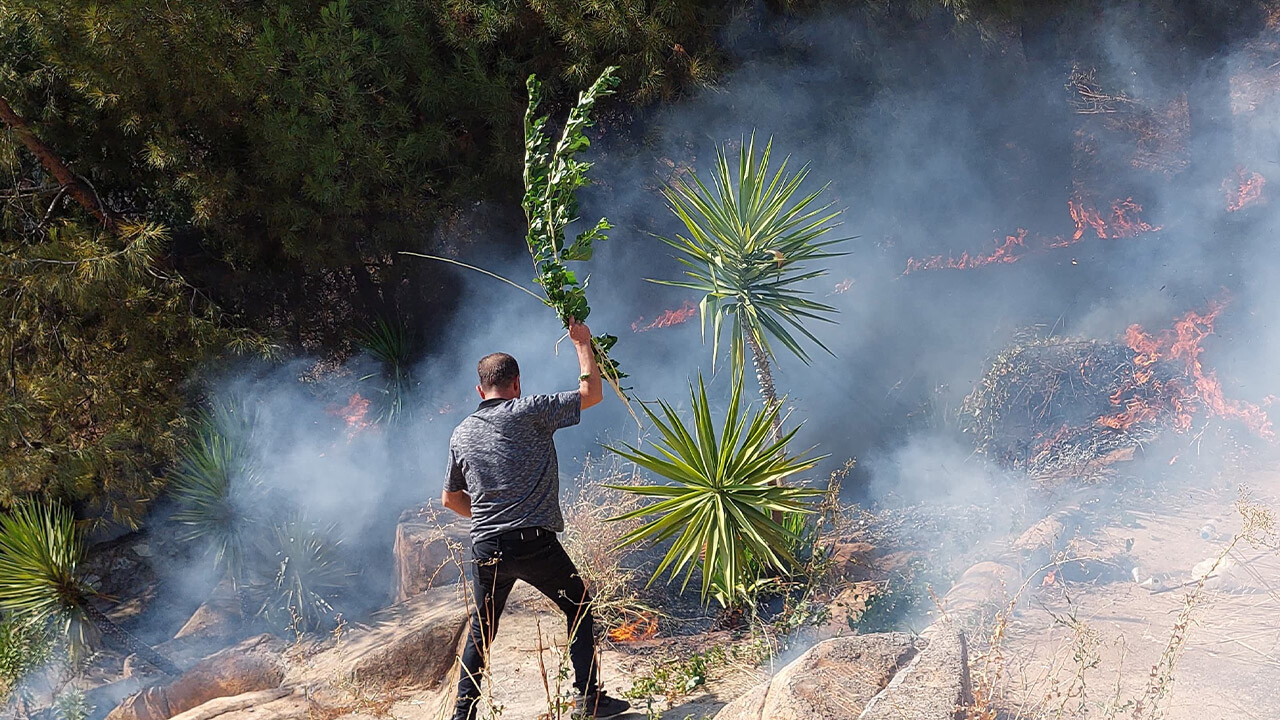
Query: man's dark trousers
column 536, row 557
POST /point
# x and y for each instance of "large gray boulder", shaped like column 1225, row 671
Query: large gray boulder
column 934, row 685
column 882, row 676
column 834, row 679
column 410, row 645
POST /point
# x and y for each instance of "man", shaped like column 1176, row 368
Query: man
column 504, row 476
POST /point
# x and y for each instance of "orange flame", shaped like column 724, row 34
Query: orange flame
column 1046, row 442
column 1198, row 390
column 668, row 318
column 1124, row 221
column 642, row 627
column 356, row 415
column 1007, row 252
column 1243, row 189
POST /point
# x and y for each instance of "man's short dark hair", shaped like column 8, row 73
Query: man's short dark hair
column 497, row 371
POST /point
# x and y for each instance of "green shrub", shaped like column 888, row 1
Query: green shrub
column 725, row 486
column 24, row 647
column 41, row 583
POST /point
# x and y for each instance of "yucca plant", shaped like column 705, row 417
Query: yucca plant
column 304, row 572
column 40, row 581
column 217, row 487
column 719, row 506
column 282, row 567
column 751, row 237
column 388, row 343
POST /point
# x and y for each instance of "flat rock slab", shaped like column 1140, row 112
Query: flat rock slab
column 252, row 665
column 833, row 680
column 259, row 703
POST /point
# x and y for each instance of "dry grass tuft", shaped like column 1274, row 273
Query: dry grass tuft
column 592, row 539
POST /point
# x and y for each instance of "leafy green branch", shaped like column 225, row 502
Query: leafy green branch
column 552, row 177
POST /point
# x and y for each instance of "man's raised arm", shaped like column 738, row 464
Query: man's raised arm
column 590, row 388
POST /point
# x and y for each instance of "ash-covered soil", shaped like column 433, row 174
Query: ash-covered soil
column 1093, row 643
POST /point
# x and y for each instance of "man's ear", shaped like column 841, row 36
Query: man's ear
column 480, row 390
column 517, row 386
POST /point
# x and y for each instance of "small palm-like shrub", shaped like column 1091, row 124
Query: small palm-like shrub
column 41, row 585
column 750, row 238
column 388, row 343
column 216, row 485
column 40, row 553
column 718, row 508
column 305, row 572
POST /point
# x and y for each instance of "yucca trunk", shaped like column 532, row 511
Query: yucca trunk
column 127, row 641
column 764, row 376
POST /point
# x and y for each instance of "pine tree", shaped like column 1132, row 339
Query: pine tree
column 99, row 341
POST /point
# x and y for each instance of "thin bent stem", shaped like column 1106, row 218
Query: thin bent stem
column 493, row 275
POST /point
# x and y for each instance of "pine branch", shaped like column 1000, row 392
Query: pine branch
column 71, row 182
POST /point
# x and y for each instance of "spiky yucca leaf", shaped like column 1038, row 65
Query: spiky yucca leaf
column 40, row 551
column 719, row 506
column 750, row 234
column 388, row 343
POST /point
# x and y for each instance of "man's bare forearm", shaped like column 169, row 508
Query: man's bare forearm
column 459, row 502
column 590, row 385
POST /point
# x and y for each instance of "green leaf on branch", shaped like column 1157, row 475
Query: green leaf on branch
column 581, row 248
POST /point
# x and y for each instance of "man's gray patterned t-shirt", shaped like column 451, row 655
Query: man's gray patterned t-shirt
column 504, row 457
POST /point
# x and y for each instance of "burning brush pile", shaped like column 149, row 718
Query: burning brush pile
column 1061, row 406
column 1041, row 406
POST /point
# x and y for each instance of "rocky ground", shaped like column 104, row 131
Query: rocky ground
column 400, row 662
column 1104, row 577
column 401, row 665
column 1085, row 640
